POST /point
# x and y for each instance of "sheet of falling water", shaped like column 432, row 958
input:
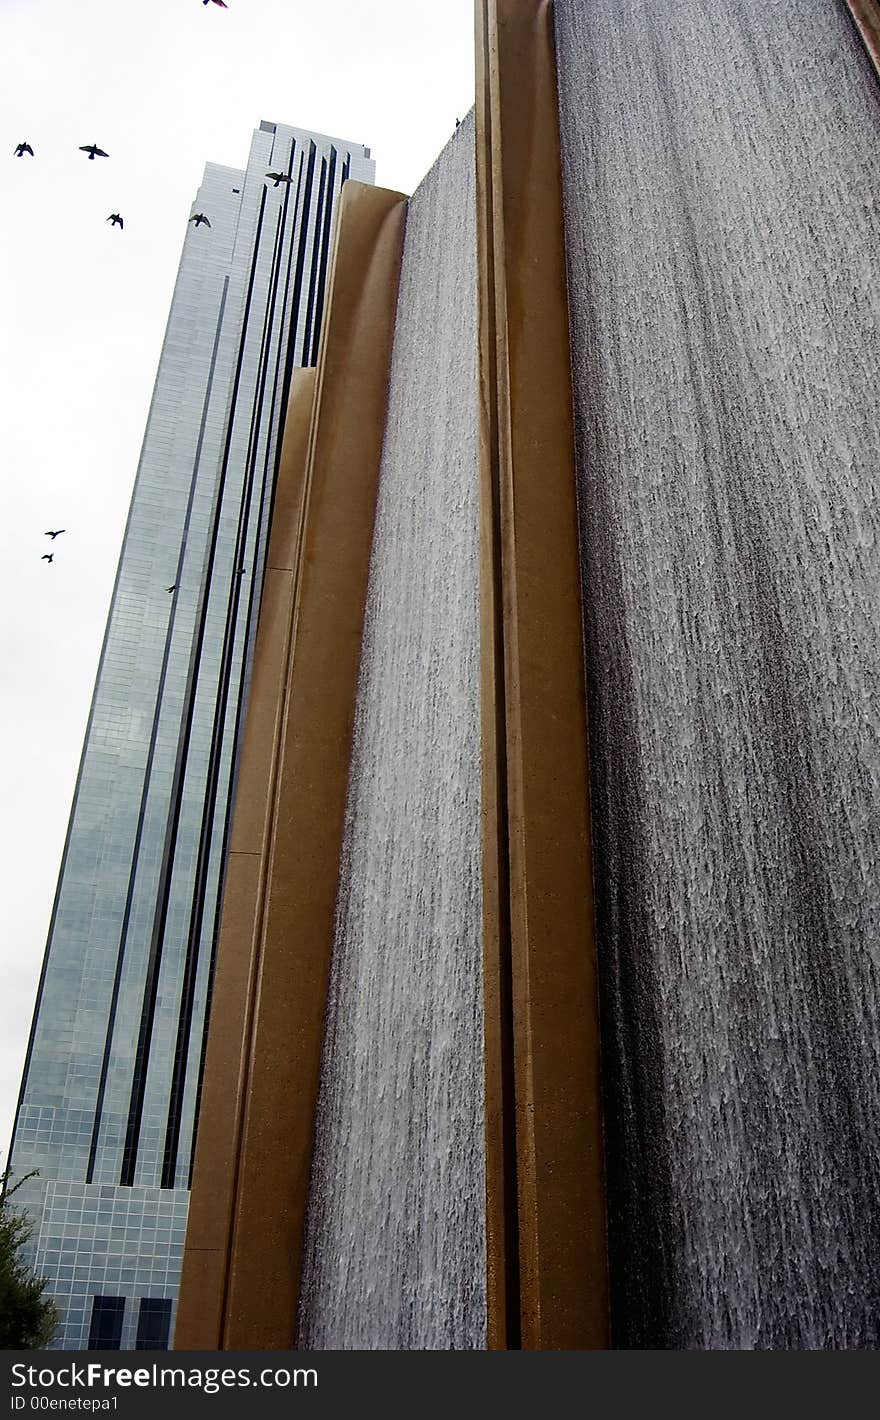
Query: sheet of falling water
column 395, row 1255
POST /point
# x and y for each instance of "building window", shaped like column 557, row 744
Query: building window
column 154, row 1324
column 105, row 1332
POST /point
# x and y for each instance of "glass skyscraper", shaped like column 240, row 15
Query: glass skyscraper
column 111, row 1085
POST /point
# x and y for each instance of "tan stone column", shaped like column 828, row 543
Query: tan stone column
column 866, row 17
column 546, row 1213
column 240, row 1286
column 203, row 1283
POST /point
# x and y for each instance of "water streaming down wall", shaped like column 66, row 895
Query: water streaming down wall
column 395, row 1251
column 720, row 161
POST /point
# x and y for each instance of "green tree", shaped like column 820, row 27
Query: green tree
column 28, row 1317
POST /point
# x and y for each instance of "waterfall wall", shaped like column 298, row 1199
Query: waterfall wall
column 720, row 163
column 395, row 1249
column 404, row 1056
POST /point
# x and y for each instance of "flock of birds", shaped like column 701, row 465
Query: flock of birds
column 115, row 219
column 50, row 556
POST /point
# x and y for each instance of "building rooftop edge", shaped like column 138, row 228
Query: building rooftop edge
column 267, row 126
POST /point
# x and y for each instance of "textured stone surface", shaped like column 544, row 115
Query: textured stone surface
column 720, row 163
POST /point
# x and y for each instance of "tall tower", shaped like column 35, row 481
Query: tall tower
column 112, row 1078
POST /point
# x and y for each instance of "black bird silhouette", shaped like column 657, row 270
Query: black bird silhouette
column 172, row 588
column 48, row 557
column 279, row 177
column 200, row 219
column 23, row 148
column 93, row 151
column 116, row 220
column 222, row 3
column 56, row 533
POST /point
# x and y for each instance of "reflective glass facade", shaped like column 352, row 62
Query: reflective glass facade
column 110, row 1092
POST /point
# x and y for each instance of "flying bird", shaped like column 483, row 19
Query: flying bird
column 48, row 557
column 93, row 151
column 279, row 177
column 222, row 3
column 23, row 148
column 56, row 533
column 116, row 220
column 200, row 219
column 172, row 588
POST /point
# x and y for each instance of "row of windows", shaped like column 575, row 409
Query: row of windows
column 108, row 1315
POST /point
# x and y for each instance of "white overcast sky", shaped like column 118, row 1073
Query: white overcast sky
column 164, row 86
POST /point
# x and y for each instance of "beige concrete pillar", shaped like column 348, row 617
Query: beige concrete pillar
column 866, row 17
column 236, row 979
column 545, row 1177
column 254, row 1148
